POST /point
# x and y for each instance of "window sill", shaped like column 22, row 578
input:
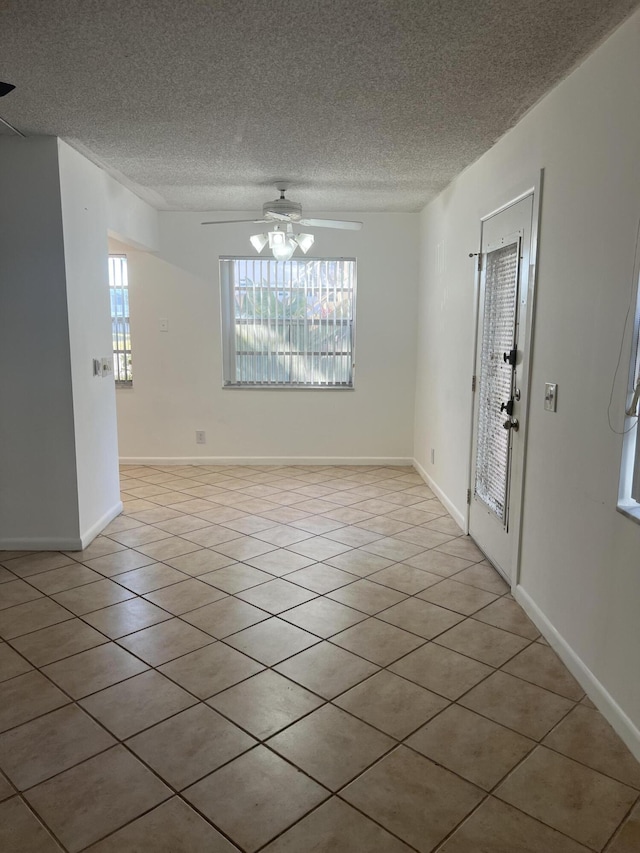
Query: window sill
column 630, row 509
column 121, row 384
column 288, row 388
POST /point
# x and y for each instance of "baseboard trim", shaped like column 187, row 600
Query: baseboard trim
column 267, row 460
column 453, row 511
column 62, row 543
column 89, row 535
column 598, row 694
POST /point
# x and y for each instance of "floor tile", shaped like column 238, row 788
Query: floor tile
column 6, row 790
column 199, row 562
column 392, row 704
column 422, row 536
column 184, row 596
column 587, row 737
column 508, row 615
column 326, row 669
column 137, row 703
column 235, row 578
column 383, row 525
column 181, row 525
column 353, row 536
column 22, row 832
column 57, row 642
column 153, row 514
column 17, row 592
column 164, row 642
column 39, row 561
column 280, row 562
column 405, row 578
column 319, row 548
column 482, row 642
column 438, row 563
column 318, row 525
column 172, row 827
column 257, row 783
column 149, row 578
column 628, row 839
column 483, row 577
column 249, row 525
column 276, row 595
column 271, row 641
column 125, row 618
column 244, row 548
column 211, row 669
column 393, row 549
column 120, row 562
column 92, row 596
column 282, row 535
column 471, row 746
column 517, row 704
column 26, row 618
column 94, row 798
column 331, row 746
column 58, row 580
column 420, row 617
column 323, row 617
column 540, row 665
column 140, row 536
column 27, row 696
column 377, row 641
column 571, row 798
column 359, row 562
column 368, row 597
column 93, row 670
column 11, row 663
column 335, row 827
column 413, row 798
column 224, row 617
column 321, row 578
column 499, row 828
column 50, row 744
column 441, row 670
column 463, row 547
column 122, row 522
column 459, row 597
column 265, row 703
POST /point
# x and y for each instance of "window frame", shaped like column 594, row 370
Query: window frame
column 127, row 382
column 228, row 320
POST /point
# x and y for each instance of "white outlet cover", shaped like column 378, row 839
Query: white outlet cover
column 550, row 396
column 163, row 324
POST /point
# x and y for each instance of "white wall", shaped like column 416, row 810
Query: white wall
column 38, row 495
column 178, row 374
column 129, row 217
column 580, row 559
column 84, row 221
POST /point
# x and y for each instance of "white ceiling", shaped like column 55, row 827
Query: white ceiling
column 362, row 104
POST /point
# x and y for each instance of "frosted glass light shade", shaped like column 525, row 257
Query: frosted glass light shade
column 259, row 241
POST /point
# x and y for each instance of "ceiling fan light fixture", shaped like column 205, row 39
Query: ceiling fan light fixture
column 259, row 241
column 283, row 251
column 305, row 241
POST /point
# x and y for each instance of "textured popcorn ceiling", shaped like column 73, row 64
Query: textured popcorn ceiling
column 361, row 104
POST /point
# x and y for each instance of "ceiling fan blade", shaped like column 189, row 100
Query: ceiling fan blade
column 350, row 225
column 230, row 221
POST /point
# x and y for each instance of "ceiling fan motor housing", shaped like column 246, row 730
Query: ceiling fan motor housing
column 284, row 207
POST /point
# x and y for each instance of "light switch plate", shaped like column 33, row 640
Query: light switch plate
column 163, row 324
column 550, row 396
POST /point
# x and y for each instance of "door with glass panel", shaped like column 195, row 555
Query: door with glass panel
column 500, row 383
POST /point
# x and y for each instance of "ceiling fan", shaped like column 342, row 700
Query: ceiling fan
column 290, row 212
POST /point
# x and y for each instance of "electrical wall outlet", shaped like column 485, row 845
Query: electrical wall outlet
column 163, row 324
column 201, row 436
column 550, row 396
column 107, row 366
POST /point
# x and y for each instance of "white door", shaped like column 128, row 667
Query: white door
column 500, row 382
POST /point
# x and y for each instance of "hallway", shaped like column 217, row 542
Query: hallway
column 291, row 659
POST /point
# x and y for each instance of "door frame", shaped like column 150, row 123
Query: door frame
column 516, row 497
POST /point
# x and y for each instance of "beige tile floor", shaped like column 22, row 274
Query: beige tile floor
column 291, row 659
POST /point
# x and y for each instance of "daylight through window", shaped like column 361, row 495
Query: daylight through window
column 288, row 323
column 119, row 293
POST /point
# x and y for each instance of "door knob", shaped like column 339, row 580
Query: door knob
column 512, row 423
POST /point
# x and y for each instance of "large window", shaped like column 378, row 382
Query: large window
column 119, row 293
column 288, row 323
column 629, row 497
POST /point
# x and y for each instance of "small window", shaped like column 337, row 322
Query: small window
column 119, row 293
column 629, row 497
column 288, row 323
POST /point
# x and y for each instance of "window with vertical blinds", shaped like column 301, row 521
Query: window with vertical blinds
column 120, row 330
column 288, row 323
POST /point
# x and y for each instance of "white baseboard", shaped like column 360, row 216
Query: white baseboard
column 266, row 460
column 89, row 535
column 600, row 697
column 61, row 543
column 453, row 511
